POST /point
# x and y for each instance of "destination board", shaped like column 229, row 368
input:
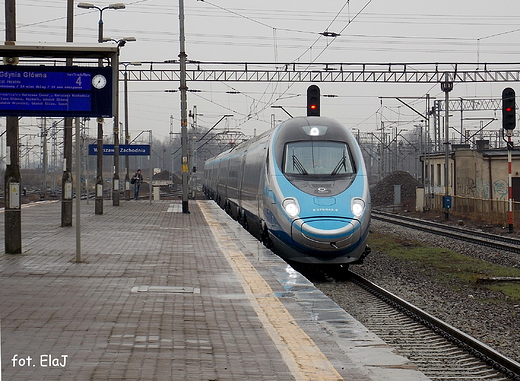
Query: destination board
column 56, row 91
column 124, row 149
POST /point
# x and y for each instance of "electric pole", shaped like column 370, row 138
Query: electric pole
column 66, row 182
column 13, row 211
column 446, row 87
column 184, row 111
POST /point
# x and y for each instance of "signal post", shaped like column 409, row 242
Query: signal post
column 509, row 124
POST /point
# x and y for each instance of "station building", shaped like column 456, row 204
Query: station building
column 478, row 179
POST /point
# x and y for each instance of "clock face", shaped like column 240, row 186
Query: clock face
column 99, row 81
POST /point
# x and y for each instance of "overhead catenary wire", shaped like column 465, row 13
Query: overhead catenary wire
column 366, row 39
column 270, row 102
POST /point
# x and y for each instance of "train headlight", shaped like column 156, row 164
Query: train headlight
column 315, row 130
column 357, row 207
column 291, row 207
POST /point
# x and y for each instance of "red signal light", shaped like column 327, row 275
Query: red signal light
column 313, row 100
column 508, row 109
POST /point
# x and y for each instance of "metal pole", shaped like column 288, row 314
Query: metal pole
column 66, row 182
column 0, row 350
column 510, row 179
column 184, row 111
column 127, row 133
column 427, row 174
column 171, row 147
column 99, row 176
column 87, row 157
column 115, row 182
column 447, row 87
column 447, row 153
column 382, row 155
column 151, row 169
column 44, row 156
column 437, row 126
column 127, row 138
column 12, row 215
column 78, row 193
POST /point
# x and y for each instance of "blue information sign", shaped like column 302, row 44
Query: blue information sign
column 55, row 91
column 124, row 149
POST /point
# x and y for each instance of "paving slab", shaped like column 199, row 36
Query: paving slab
column 164, row 295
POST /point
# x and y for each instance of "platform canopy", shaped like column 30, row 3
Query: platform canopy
column 57, row 50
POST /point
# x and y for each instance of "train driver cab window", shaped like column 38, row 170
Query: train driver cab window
column 317, row 158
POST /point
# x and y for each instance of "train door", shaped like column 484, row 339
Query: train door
column 241, row 178
column 222, row 182
column 261, row 179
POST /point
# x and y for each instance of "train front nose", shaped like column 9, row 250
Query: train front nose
column 325, row 234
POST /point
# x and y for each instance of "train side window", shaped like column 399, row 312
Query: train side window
column 267, row 161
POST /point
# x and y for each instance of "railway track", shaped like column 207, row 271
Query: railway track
column 440, row 351
column 473, row 236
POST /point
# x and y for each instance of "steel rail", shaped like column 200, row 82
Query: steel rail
column 499, row 362
column 467, row 235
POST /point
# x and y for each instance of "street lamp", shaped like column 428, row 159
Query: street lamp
column 149, row 159
column 127, row 134
column 99, row 176
column 115, row 179
column 120, row 42
column 100, row 23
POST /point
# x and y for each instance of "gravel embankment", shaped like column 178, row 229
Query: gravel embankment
column 485, row 315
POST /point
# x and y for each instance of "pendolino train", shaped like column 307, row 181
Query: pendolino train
column 301, row 188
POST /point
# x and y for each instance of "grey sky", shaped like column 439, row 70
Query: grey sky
column 286, row 31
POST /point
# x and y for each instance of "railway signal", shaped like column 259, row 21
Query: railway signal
column 508, row 109
column 313, row 100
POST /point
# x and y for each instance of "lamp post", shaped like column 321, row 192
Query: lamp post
column 100, row 23
column 99, row 176
column 149, row 159
column 127, row 134
column 183, row 87
column 115, row 179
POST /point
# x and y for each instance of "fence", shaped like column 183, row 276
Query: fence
column 477, row 209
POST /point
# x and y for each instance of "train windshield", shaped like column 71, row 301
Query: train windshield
column 319, row 158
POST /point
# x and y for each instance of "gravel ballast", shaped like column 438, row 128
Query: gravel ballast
column 484, row 314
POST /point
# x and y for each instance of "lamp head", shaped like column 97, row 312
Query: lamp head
column 86, row 5
column 116, row 6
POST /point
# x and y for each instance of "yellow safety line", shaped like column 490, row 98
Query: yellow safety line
column 302, row 356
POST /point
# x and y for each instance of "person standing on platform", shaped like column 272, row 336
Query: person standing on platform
column 137, row 180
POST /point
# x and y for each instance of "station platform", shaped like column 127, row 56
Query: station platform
column 158, row 294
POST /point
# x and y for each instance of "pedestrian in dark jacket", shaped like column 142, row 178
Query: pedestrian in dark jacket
column 137, row 180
